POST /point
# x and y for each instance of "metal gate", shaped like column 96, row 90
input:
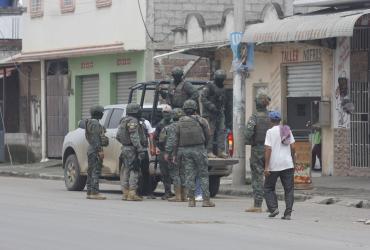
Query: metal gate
column 90, row 94
column 360, row 124
column 304, row 80
column 56, row 106
column 124, row 82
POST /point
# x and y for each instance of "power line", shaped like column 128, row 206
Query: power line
column 146, row 28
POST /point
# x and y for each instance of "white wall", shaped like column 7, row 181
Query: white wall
column 11, row 27
column 86, row 26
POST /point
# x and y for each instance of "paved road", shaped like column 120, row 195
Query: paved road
column 40, row 214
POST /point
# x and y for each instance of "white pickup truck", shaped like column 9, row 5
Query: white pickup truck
column 75, row 144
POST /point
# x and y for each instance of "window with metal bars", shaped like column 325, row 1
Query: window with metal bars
column 36, row 8
column 67, row 6
column 103, row 3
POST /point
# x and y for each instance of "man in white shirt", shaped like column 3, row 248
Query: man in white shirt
column 279, row 162
column 147, row 178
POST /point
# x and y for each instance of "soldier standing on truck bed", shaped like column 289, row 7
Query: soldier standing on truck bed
column 95, row 136
column 134, row 146
column 255, row 134
column 192, row 137
column 176, row 169
column 159, row 143
column 213, row 101
column 179, row 90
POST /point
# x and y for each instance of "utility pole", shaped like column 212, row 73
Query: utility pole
column 239, row 103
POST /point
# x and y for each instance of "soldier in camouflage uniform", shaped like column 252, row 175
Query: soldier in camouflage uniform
column 179, row 91
column 175, row 167
column 192, row 136
column 95, row 136
column 134, row 146
column 159, row 140
column 255, row 134
column 213, row 101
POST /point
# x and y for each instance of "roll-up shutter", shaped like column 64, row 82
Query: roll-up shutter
column 304, row 80
column 90, row 94
column 124, row 82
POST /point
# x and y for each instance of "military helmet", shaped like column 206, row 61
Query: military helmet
column 133, row 108
column 166, row 108
column 177, row 113
column 177, row 71
column 262, row 99
column 220, row 74
column 190, row 104
column 96, row 111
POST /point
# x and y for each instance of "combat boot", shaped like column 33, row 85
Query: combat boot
column 211, row 155
column 208, row 203
column 254, row 210
column 222, row 154
column 177, row 197
column 132, row 196
column 191, row 202
column 124, row 194
column 183, row 194
column 96, row 196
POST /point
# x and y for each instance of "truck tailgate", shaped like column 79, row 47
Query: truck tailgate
column 221, row 162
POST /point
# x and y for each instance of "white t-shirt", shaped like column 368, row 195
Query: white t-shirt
column 149, row 127
column 281, row 157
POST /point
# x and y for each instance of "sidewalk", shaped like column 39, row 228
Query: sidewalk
column 353, row 191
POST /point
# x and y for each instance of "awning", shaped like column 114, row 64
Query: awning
column 312, row 26
column 202, row 49
column 71, row 52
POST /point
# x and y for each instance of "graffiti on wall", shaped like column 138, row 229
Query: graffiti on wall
column 341, row 83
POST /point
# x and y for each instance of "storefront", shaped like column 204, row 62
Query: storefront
column 308, row 63
column 103, row 80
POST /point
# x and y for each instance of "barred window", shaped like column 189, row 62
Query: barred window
column 67, row 5
column 103, row 3
column 36, row 8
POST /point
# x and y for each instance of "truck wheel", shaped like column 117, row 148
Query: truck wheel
column 73, row 179
column 214, row 185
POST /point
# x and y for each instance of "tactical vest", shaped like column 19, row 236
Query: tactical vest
column 125, row 136
column 217, row 96
column 191, row 132
column 262, row 125
column 178, row 95
column 104, row 141
column 162, row 138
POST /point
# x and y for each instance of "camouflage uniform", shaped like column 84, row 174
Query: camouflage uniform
column 134, row 146
column 94, row 134
column 179, row 91
column 159, row 140
column 213, row 101
column 255, row 134
column 175, row 167
column 192, row 135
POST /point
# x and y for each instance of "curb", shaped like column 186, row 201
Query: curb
column 249, row 193
column 31, row 175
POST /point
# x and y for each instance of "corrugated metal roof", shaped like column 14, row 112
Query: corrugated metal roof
column 304, row 27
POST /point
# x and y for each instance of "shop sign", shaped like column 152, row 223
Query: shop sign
column 87, row 65
column 123, row 61
column 311, row 55
column 288, row 56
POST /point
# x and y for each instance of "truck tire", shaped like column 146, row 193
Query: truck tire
column 73, row 179
column 214, row 185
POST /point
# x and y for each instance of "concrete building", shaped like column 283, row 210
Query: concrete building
column 83, row 54
column 314, row 66
column 302, row 73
